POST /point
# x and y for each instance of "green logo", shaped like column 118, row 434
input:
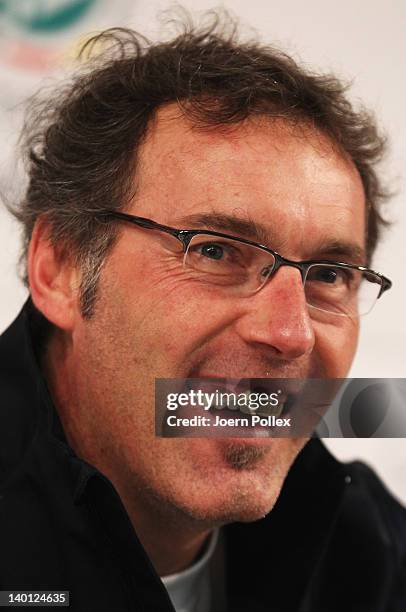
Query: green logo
column 45, row 16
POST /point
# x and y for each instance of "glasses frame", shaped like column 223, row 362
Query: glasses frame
column 186, row 235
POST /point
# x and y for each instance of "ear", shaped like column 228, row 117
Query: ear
column 53, row 280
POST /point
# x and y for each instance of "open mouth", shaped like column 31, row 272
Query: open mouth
column 207, row 406
column 248, row 396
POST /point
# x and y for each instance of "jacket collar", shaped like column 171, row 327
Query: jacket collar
column 32, row 417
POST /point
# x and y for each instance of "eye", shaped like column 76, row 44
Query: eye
column 333, row 276
column 212, row 251
column 326, row 275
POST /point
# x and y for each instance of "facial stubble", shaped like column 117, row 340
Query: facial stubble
column 240, row 456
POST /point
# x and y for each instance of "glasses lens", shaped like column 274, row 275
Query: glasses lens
column 228, row 263
column 342, row 291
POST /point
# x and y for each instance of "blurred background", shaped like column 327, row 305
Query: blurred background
column 362, row 41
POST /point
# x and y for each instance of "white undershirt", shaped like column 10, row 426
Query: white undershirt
column 190, row 590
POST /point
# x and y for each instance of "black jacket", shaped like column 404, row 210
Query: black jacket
column 335, row 541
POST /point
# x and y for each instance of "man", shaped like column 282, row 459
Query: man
column 200, row 133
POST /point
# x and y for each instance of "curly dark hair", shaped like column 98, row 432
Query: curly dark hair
column 82, row 145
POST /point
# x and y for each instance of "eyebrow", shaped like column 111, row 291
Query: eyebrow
column 348, row 252
column 221, row 222
column 342, row 250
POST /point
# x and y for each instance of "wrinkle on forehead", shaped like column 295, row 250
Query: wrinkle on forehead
column 171, row 118
column 173, row 138
column 269, row 170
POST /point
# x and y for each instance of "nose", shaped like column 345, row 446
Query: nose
column 277, row 316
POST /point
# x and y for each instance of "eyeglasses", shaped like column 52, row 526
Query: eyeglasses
column 243, row 267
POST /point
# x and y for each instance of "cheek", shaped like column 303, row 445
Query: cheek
column 168, row 313
column 335, row 346
column 187, row 319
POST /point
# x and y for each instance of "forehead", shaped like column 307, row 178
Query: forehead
column 288, row 178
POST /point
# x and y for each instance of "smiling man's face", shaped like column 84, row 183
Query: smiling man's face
column 153, row 320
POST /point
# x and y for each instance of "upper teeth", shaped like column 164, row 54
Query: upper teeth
column 264, row 410
column 245, row 407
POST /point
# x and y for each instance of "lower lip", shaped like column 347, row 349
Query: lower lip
column 257, row 430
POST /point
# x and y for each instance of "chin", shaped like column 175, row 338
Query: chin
column 242, row 498
column 237, row 511
column 214, row 482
